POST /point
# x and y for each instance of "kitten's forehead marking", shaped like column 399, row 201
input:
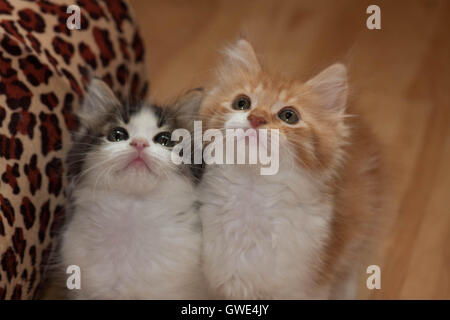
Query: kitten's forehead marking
column 277, row 106
column 291, row 100
column 254, row 98
column 144, row 123
column 254, row 93
column 259, row 88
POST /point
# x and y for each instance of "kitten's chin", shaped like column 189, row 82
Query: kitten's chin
column 135, row 181
column 135, row 178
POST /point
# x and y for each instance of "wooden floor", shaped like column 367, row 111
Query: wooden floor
column 400, row 79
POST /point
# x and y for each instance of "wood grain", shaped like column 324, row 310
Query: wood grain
column 400, row 79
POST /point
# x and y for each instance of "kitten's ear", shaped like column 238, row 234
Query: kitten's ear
column 98, row 100
column 241, row 55
column 187, row 106
column 331, row 86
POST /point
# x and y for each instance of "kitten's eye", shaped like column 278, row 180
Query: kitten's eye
column 164, row 139
column 241, row 102
column 117, row 134
column 288, row 115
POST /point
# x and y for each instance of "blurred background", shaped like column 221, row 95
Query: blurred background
column 400, row 82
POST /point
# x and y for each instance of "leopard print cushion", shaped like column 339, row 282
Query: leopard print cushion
column 44, row 68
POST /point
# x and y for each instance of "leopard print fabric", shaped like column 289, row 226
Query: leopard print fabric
column 44, row 68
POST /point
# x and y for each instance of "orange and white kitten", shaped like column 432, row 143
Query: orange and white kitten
column 298, row 234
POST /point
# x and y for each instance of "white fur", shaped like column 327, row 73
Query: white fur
column 263, row 235
column 133, row 233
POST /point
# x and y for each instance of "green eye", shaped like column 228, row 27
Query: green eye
column 164, row 139
column 241, row 102
column 289, row 115
column 117, row 134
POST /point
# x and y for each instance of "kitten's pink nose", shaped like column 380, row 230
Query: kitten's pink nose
column 256, row 121
column 139, row 143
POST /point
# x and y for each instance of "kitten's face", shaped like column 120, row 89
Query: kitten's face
column 309, row 116
column 123, row 150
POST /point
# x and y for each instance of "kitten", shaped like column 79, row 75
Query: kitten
column 299, row 233
column 133, row 229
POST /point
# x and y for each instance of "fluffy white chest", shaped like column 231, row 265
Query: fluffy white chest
column 135, row 248
column 262, row 235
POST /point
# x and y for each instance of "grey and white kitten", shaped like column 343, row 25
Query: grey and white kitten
column 133, row 229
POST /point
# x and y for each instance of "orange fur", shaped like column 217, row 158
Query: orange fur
column 333, row 147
